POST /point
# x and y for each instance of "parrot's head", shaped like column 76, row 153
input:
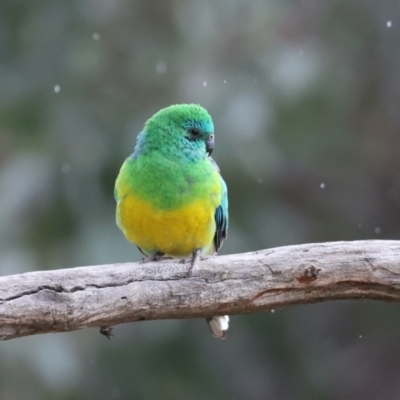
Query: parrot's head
column 183, row 131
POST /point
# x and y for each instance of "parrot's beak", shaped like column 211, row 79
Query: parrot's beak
column 210, row 144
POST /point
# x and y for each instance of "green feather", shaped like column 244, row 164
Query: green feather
column 166, row 183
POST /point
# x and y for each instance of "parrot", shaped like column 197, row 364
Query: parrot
column 171, row 198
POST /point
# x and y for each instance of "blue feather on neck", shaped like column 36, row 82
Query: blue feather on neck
column 140, row 147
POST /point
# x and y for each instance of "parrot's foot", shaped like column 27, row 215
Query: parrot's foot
column 201, row 258
column 106, row 331
column 156, row 257
column 219, row 326
column 195, row 260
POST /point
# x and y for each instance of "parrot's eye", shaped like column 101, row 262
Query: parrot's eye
column 194, row 132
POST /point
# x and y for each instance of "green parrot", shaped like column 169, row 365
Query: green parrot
column 171, row 198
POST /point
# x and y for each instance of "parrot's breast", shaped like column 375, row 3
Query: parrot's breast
column 174, row 232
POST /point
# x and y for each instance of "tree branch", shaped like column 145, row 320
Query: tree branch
column 105, row 295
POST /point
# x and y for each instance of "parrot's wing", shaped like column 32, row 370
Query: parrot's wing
column 221, row 214
column 116, row 196
column 122, row 186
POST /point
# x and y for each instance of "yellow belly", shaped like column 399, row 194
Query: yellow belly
column 172, row 232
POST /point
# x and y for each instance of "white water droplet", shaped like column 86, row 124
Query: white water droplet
column 360, row 336
column 360, row 225
column 96, row 36
column 322, row 185
column 272, row 311
column 389, row 24
column 225, row 81
column 161, row 67
column 378, row 230
column 205, row 83
column 57, row 89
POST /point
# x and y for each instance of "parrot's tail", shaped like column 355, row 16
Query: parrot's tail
column 219, row 326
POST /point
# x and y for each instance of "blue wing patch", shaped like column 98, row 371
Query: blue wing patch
column 221, row 214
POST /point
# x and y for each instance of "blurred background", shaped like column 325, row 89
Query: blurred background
column 305, row 99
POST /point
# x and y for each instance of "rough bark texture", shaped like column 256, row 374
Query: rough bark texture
column 105, row 295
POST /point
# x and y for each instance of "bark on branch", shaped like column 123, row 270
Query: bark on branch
column 106, row 295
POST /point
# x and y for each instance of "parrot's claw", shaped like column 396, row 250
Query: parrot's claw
column 106, row 331
column 195, row 260
column 156, row 257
